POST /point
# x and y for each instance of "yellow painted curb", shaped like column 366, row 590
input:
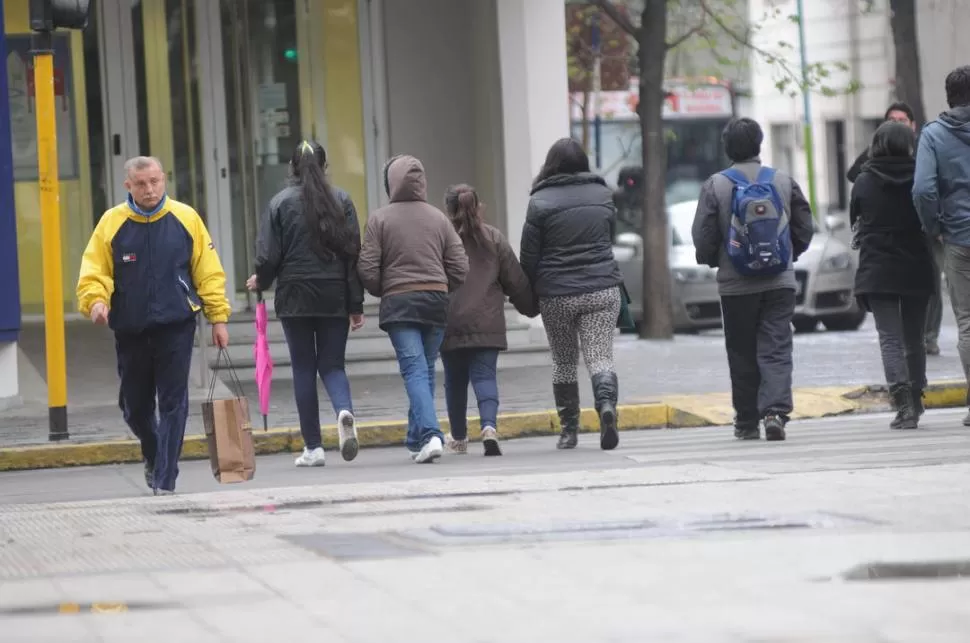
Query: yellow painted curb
column 678, row 411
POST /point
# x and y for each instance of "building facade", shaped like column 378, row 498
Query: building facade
column 858, row 36
column 222, row 91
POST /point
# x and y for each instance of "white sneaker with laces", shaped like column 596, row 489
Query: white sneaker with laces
column 430, row 451
column 308, row 458
column 347, row 432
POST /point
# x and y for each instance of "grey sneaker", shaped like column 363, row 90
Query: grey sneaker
column 490, row 441
column 774, row 428
column 459, row 447
column 347, row 433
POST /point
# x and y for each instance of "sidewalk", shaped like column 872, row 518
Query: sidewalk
column 647, row 371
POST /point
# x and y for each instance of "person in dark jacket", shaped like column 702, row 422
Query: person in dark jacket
column 308, row 243
column 567, row 253
column 941, row 194
column 412, row 259
column 901, row 112
column 898, row 112
column 895, row 279
column 476, row 319
column 757, row 309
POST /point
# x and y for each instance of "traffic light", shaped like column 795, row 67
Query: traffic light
column 289, row 54
column 48, row 15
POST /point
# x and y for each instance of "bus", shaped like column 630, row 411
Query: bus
column 695, row 112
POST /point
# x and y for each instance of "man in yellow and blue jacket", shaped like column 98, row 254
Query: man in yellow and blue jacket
column 147, row 271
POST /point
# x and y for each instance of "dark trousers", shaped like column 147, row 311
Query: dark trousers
column 758, row 337
column 155, row 363
column 317, row 345
column 901, row 324
column 934, row 312
column 479, row 366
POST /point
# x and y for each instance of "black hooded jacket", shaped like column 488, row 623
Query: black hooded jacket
column 306, row 285
column 894, row 255
column 567, row 239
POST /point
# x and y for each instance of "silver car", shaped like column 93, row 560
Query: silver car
column 825, row 275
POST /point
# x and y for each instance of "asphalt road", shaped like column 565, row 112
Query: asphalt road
column 832, row 444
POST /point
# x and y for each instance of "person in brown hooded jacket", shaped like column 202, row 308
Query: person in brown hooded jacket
column 411, row 258
column 476, row 319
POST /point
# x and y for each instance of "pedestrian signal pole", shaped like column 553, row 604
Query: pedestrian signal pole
column 45, row 17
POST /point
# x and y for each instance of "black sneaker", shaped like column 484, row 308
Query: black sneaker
column 150, row 474
column 966, row 420
column 774, row 428
column 747, row 432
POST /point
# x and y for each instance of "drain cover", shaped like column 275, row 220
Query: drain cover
column 352, row 546
column 922, row 570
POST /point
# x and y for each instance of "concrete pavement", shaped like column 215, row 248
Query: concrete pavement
column 676, row 536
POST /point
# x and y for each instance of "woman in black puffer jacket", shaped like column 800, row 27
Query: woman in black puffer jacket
column 308, row 243
column 567, row 253
column 896, row 276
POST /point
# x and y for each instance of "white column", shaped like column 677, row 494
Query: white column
column 9, row 384
column 535, row 95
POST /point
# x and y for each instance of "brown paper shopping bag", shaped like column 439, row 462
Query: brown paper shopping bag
column 229, row 433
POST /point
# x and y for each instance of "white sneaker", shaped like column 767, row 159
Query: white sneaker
column 430, row 451
column 347, row 432
column 315, row 458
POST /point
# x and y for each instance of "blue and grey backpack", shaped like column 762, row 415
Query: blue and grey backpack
column 758, row 240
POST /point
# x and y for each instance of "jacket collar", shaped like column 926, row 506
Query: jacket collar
column 146, row 213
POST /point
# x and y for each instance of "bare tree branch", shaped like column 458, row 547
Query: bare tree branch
column 607, row 7
column 687, row 35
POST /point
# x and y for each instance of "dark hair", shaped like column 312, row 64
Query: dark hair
column 742, row 138
column 330, row 235
column 892, row 139
column 900, row 106
column 465, row 211
column 566, row 156
column 958, row 87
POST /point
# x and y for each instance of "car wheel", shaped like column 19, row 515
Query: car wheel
column 804, row 324
column 849, row 321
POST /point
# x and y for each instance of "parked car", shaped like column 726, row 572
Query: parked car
column 825, row 274
column 693, row 288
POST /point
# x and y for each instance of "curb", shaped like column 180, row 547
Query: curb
column 674, row 412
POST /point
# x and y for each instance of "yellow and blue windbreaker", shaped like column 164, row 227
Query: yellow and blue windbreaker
column 152, row 268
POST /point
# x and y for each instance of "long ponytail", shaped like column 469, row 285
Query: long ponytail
column 465, row 212
column 330, row 236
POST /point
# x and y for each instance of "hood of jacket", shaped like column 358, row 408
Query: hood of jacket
column 894, row 170
column 581, row 178
column 957, row 120
column 405, row 180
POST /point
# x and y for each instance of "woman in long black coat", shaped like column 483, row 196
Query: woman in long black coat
column 896, row 277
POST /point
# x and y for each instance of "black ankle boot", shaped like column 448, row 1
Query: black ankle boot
column 918, row 398
column 567, row 405
column 906, row 415
column 606, row 392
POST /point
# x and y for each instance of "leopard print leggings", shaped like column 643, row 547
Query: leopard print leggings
column 588, row 319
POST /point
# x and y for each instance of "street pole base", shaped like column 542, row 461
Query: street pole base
column 58, row 424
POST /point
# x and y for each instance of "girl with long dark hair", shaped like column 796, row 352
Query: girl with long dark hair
column 567, row 253
column 308, row 243
column 896, row 276
column 476, row 319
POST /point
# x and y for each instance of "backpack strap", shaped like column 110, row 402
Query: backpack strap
column 766, row 174
column 736, row 176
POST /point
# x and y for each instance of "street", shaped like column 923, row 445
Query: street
column 679, row 535
column 647, row 370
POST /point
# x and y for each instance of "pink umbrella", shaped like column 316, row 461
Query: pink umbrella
column 264, row 361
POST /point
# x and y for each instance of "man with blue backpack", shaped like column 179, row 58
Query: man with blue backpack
column 752, row 223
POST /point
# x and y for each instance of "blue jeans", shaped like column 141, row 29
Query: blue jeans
column 417, row 347
column 317, row 345
column 479, row 366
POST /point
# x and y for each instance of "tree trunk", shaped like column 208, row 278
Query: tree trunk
column 657, row 311
column 909, row 84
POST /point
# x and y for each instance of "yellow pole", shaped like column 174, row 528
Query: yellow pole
column 50, row 218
